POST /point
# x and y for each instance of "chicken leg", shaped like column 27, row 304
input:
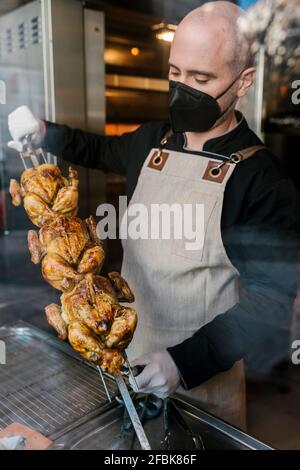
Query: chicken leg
column 121, row 287
column 54, row 317
column 92, row 349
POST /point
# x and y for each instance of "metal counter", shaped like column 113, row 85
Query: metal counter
column 48, row 387
column 44, row 384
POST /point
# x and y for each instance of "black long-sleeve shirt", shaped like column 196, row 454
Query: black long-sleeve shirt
column 258, row 230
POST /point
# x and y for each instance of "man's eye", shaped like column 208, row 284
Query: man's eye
column 201, row 82
column 175, row 74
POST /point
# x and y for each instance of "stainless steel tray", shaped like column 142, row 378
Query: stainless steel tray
column 104, row 433
column 48, row 387
column 45, row 384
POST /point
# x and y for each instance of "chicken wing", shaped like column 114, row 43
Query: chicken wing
column 66, row 200
column 122, row 329
column 15, row 192
column 34, row 246
column 67, row 249
column 121, row 287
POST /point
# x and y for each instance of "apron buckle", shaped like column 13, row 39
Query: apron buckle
column 158, row 160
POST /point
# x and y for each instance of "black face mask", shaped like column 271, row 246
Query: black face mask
column 193, row 110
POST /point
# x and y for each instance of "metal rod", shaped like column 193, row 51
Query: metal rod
column 166, row 440
column 104, row 384
column 23, row 161
column 34, row 160
column 135, row 419
column 130, row 371
column 40, row 150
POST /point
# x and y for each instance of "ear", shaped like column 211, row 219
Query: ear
column 246, row 80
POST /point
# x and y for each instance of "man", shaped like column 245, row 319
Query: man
column 200, row 312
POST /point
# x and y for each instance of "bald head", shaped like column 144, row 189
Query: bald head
column 210, row 53
column 214, row 29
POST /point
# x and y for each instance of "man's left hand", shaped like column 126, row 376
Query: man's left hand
column 160, row 376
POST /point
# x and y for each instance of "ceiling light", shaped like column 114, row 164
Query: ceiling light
column 164, row 31
column 135, row 51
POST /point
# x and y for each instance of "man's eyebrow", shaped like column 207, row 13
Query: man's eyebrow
column 175, row 66
column 195, row 71
column 202, row 72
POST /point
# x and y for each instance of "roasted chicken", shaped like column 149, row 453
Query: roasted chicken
column 72, row 255
column 92, row 306
column 69, row 248
column 45, row 193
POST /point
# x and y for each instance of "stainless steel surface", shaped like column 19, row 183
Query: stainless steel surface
column 103, row 433
column 64, row 61
column 74, row 81
column 21, row 69
column 44, row 384
column 94, row 34
column 216, row 432
column 94, row 40
column 140, row 433
column 51, row 59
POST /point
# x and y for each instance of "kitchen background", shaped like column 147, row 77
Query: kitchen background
column 102, row 66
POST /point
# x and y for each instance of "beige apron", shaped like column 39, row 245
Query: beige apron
column 178, row 290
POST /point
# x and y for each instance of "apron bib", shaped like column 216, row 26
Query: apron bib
column 178, row 290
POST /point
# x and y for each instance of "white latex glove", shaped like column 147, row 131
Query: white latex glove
column 15, row 145
column 160, row 376
column 22, row 122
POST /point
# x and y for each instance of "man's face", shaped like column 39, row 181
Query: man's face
column 201, row 57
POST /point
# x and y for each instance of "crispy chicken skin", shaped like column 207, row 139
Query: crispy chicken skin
column 67, row 249
column 46, row 193
column 123, row 327
column 84, row 341
column 53, row 314
column 72, row 255
column 15, row 192
column 123, row 290
column 93, row 302
column 92, row 349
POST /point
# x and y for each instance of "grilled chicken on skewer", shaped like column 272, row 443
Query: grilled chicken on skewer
column 84, row 341
column 93, row 304
column 92, row 349
column 45, row 193
column 72, row 255
column 69, row 248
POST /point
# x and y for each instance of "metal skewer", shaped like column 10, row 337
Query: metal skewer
column 30, row 152
column 104, row 384
column 41, row 152
column 23, row 161
column 130, row 371
column 131, row 410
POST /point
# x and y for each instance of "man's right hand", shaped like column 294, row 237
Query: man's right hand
column 22, row 122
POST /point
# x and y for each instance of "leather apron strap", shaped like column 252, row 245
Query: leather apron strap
column 235, row 157
column 248, row 152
